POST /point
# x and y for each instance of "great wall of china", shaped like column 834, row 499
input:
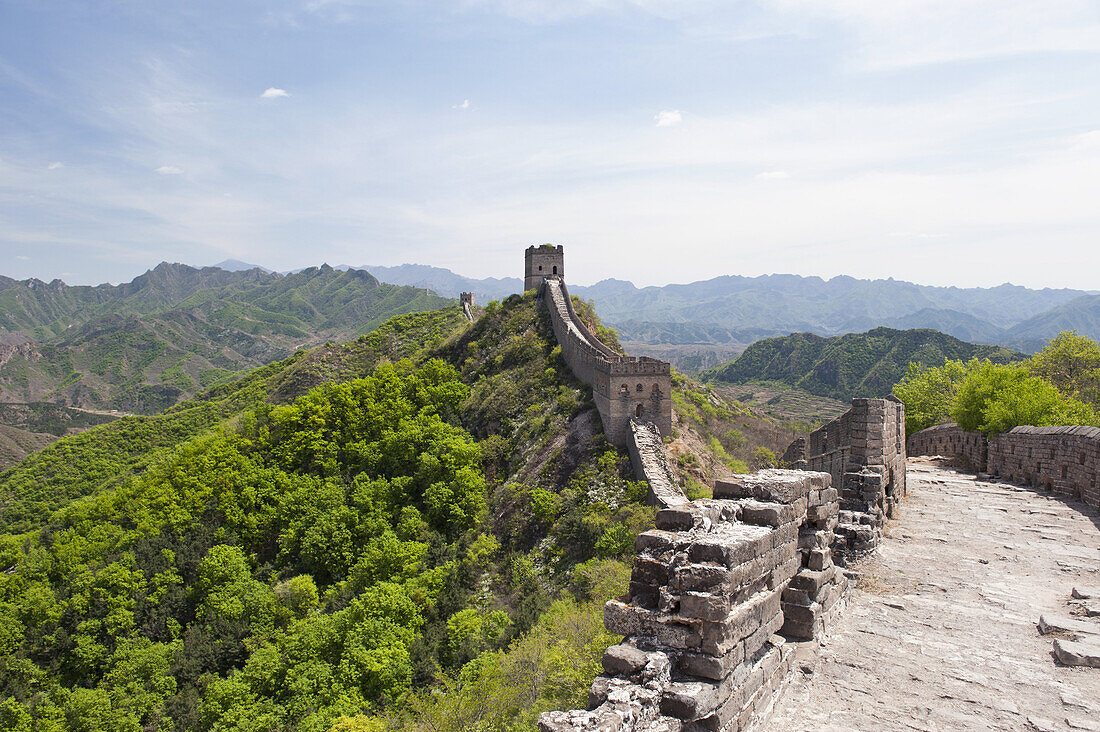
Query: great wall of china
column 1064, row 460
column 724, row 587
column 727, row 593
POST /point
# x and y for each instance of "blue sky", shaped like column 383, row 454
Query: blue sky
column 939, row 141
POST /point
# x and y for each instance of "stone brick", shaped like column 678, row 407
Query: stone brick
column 630, row 620
column 624, row 659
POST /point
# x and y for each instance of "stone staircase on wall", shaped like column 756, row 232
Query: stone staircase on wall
column 647, row 455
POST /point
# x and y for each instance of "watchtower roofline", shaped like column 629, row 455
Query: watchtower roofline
column 541, row 262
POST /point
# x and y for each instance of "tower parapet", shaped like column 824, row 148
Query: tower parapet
column 541, row 262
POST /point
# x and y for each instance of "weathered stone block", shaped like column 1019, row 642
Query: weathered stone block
column 811, row 581
column 717, row 639
column 730, row 544
column 649, row 571
column 784, row 573
column 675, row 519
column 772, row 514
column 632, row 620
column 779, row 486
column 624, row 659
column 820, row 559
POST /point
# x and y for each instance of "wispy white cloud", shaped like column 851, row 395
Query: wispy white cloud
column 773, row 175
column 22, row 257
column 464, row 104
column 552, row 11
column 274, row 93
column 669, row 118
column 169, row 170
column 903, row 33
column 55, row 166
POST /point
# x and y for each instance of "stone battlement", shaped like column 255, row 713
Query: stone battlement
column 1065, row 460
column 713, row 591
column 864, row 452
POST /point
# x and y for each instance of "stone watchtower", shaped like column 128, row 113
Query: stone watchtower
column 541, row 262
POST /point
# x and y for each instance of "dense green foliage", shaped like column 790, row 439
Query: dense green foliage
column 995, row 398
column 83, row 464
column 853, row 365
column 142, row 346
column 322, row 544
column 1057, row 386
column 294, row 561
column 1070, row 362
column 930, row 394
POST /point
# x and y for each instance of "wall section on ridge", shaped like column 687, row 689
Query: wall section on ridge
column 950, row 440
column 624, row 388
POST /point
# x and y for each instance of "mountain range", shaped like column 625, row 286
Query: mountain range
column 715, row 319
column 144, row 345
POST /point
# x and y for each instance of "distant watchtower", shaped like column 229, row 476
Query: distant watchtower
column 541, row 262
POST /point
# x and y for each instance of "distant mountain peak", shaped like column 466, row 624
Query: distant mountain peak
column 236, row 265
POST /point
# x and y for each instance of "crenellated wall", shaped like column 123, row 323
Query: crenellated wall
column 864, row 452
column 624, row 388
column 1065, row 460
column 950, row 440
column 714, row 589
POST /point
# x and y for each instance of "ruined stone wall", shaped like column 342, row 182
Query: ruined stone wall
column 647, row 455
column 950, row 440
column 466, row 299
column 864, row 452
column 1065, row 460
column 713, row 589
column 624, row 388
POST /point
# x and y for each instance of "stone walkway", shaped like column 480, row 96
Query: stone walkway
column 941, row 634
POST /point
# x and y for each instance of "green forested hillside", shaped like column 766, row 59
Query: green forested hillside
column 86, row 463
column 143, row 346
column 330, row 535
column 415, row 530
column 854, row 365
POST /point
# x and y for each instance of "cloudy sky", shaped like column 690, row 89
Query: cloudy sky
column 938, row 141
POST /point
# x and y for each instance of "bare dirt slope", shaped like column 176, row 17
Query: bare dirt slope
column 942, row 635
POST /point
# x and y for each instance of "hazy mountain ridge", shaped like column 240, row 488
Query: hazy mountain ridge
column 446, row 282
column 734, row 311
column 143, row 345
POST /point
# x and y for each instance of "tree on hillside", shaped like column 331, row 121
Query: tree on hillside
column 995, row 398
column 929, row 394
column 1071, row 362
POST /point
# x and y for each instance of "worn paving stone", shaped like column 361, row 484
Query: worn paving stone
column 942, row 631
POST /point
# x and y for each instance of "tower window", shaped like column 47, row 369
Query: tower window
column 555, row 269
column 638, row 411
